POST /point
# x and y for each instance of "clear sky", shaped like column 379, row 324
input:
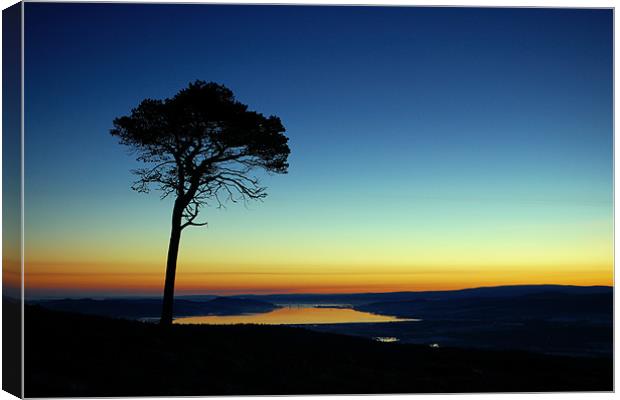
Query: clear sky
column 430, row 148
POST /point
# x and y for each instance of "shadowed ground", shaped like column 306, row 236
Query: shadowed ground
column 78, row 355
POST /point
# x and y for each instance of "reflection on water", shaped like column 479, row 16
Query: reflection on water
column 294, row 316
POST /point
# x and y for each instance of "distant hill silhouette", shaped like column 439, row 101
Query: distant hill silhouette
column 365, row 298
column 151, row 308
column 559, row 305
column 469, row 302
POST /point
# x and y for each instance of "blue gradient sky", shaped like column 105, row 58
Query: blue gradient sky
column 423, row 140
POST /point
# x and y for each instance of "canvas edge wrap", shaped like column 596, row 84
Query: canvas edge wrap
column 12, row 200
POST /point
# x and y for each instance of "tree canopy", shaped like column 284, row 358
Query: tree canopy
column 202, row 145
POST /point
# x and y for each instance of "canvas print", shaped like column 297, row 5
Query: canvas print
column 240, row 199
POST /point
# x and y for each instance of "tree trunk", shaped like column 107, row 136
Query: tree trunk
column 171, row 265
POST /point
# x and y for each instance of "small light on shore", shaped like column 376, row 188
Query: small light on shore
column 384, row 339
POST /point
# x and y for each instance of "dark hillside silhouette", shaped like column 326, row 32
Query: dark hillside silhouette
column 201, row 146
column 79, row 355
column 151, row 308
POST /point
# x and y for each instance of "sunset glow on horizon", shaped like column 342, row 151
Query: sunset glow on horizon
column 256, row 280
